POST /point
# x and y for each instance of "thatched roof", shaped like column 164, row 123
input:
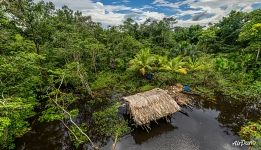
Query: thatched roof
column 151, row 105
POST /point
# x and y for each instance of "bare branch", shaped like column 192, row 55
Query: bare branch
column 115, row 142
column 84, row 82
column 70, row 117
column 71, row 132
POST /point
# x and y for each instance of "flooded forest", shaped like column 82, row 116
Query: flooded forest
column 70, row 83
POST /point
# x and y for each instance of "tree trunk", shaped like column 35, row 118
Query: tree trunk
column 37, row 47
column 94, row 61
column 115, row 142
column 84, row 82
column 258, row 53
column 70, row 117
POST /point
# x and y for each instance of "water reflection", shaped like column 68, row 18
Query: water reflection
column 232, row 113
column 200, row 131
column 210, row 125
column 140, row 135
column 45, row 136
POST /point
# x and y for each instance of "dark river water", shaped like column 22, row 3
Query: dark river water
column 207, row 126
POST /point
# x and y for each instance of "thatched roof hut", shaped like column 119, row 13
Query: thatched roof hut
column 151, row 105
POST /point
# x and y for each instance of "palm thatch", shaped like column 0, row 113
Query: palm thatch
column 151, row 105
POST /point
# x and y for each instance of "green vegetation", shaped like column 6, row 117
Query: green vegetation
column 52, row 59
column 108, row 123
column 252, row 131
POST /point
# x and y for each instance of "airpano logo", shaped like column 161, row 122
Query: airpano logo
column 243, row 143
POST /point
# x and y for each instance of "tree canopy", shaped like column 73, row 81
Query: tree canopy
column 53, row 59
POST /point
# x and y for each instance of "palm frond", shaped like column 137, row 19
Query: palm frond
column 143, row 61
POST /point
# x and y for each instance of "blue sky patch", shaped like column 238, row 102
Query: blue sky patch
column 256, row 6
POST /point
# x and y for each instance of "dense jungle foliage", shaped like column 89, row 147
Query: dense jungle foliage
column 52, row 59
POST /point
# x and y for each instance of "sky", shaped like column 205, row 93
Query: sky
column 187, row 12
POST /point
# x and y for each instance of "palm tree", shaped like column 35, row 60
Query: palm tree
column 195, row 64
column 143, row 61
column 161, row 60
column 176, row 65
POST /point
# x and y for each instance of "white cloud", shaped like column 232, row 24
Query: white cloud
column 219, row 9
column 72, row 4
column 106, row 14
column 164, row 3
column 125, row 1
column 203, row 11
column 148, row 14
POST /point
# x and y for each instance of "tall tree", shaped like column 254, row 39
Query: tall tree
column 252, row 33
column 229, row 27
column 34, row 20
